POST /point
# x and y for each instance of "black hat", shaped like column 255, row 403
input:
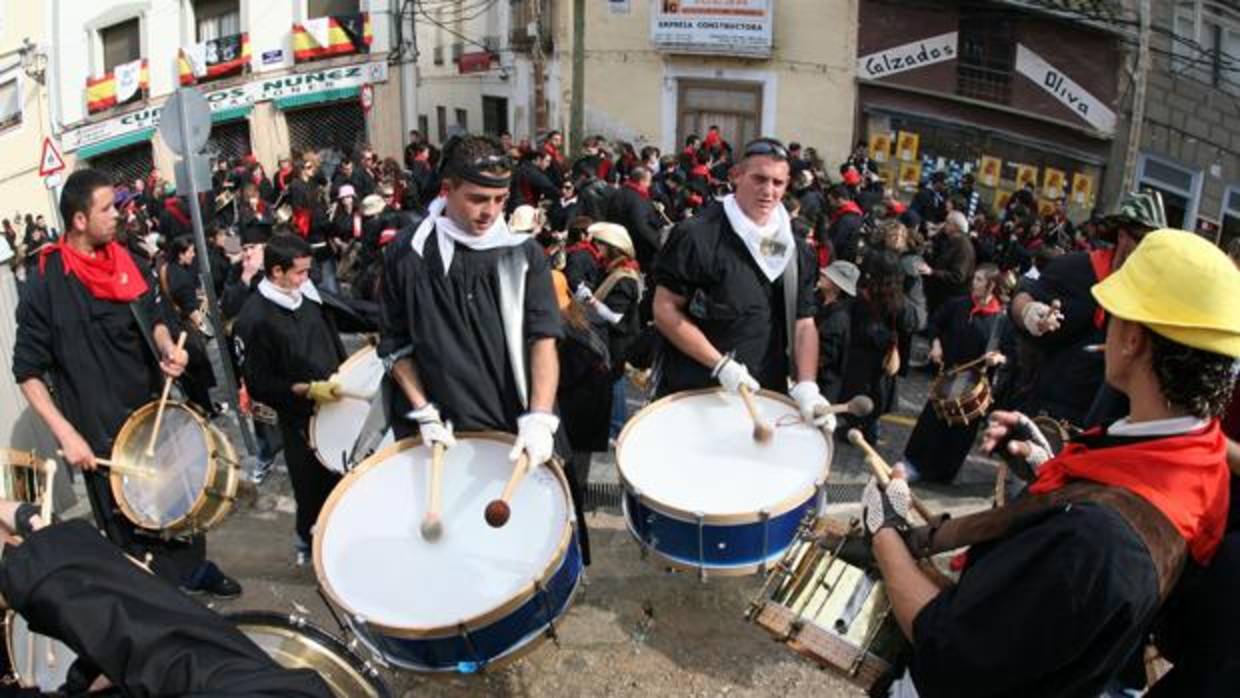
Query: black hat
column 256, row 232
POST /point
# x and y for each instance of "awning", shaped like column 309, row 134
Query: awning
column 140, row 136
column 335, row 95
column 219, row 117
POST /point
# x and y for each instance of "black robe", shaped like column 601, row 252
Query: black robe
column 834, row 323
column 935, row 448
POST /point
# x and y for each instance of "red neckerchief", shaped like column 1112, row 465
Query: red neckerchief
column 1101, row 261
column 991, row 307
column 173, row 206
column 553, row 152
column 642, row 190
column 844, row 209
column 423, row 156
column 589, row 248
column 110, row 275
column 700, row 171
column 1184, row 476
column 301, row 221
column 623, row 263
column 712, row 140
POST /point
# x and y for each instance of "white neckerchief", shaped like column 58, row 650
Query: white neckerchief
column 498, row 235
column 1157, row 427
column 286, row 299
column 771, row 245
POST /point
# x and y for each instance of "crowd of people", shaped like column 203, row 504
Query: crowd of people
column 749, row 268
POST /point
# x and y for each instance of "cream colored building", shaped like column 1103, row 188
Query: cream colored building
column 24, row 119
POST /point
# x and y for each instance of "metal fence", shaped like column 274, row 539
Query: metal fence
column 127, row 164
column 340, row 126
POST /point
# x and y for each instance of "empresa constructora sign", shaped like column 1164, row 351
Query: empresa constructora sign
column 721, row 27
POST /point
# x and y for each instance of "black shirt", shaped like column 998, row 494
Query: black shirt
column 963, row 334
column 730, row 299
column 99, row 364
column 454, row 325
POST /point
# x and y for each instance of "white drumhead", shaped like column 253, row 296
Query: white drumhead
column 337, row 425
column 369, row 551
column 695, row 452
column 180, row 468
column 38, row 660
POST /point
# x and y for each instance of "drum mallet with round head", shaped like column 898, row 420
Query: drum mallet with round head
column 762, row 431
column 859, row 406
column 163, row 402
column 498, row 511
column 882, row 471
column 432, row 525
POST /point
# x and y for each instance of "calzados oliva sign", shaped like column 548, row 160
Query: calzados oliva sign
column 917, row 54
column 1064, row 89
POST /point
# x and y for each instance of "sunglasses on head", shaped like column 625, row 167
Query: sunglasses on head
column 767, row 147
column 491, row 163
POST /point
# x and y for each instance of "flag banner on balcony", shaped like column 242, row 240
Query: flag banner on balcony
column 125, row 83
column 323, row 37
column 208, row 60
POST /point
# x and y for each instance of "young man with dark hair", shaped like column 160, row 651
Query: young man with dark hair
column 288, row 352
column 734, row 292
column 91, row 322
column 844, row 230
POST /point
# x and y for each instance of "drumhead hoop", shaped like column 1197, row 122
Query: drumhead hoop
column 184, row 464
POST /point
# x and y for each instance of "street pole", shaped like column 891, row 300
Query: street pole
column 1138, row 100
column 577, row 104
column 540, row 75
column 208, row 286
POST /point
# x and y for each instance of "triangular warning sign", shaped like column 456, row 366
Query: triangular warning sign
column 50, row 161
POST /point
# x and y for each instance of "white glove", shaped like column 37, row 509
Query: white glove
column 605, row 313
column 583, row 294
column 1039, row 450
column 1040, row 318
column 536, row 437
column 732, row 374
column 813, row 405
column 432, row 426
column 886, row 508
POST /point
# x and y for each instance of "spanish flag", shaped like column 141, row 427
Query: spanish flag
column 213, row 59
column 126, row 82
column 323, row 37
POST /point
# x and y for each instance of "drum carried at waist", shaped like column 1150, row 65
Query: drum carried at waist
column 190, row 483
column 702, row 494
column 961, row 395
column 472, row 599
column 295, row 643
column 336, row 426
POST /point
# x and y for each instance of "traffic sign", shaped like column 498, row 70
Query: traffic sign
column 368, row 97
column 197, row 120
column 50, row 161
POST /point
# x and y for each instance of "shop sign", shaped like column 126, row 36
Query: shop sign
column 253, row 92
column 1064, row 89
column 910, row 56
column 722, row 27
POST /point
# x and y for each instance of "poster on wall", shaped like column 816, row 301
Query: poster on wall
column 1026, row 176
column 719, row 27
column 1002, row 197
column 880, row 147
column 1053, row 182
column 906, row 146
column 910, row 174
column 989, row 171
column 1046, row 208
column 1082, row 189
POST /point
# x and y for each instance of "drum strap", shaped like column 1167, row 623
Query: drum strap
column 513, row 266
column 791, row 286
column 144, row 326
column 1166, row 547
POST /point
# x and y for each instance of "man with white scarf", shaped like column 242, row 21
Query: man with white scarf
column 719, row 298
column 450, row 328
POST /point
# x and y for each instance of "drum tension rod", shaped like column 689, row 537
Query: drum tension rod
column 332, row 611
column 765, row 517
column 541, row 589
column 701, row 516
column 470, row 648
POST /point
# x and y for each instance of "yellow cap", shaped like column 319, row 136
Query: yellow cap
column 1180, row 286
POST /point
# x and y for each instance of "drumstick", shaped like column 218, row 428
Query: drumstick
column 432, row 526
column 762, row 431
column 859, row 406
column 498, row 511
column 135, row 470
column 163, row 400
column 882, row 471
column 45, row 509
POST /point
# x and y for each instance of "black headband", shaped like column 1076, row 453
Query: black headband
column 482, row 171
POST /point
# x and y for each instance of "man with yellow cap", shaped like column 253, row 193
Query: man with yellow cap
column 1062, row 586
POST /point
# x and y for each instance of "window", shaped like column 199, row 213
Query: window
column 10, row 104
column 437, row 55
column 987, row 56
column 424, row 125
column 122, row 43
column 1230, row 219
column 217, row 18
column 1206, row 45
column 332, row 8
column 462, row 119
column 441, row 123
column 494, row 115
column 1179, row 188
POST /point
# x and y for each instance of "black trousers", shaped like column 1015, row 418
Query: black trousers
column 312, row 482
column 175, row 560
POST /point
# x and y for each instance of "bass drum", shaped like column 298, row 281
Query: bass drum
column 35, row 661
column 296, row 644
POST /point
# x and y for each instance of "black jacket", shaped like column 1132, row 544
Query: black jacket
column 637, row 215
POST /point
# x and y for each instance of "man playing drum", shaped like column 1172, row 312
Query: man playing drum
column 1058, row 600
column 92, row 321
column 734, row 295
column 288, row 348
column 470, row 320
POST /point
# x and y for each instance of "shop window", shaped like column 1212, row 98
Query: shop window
column 1178, row 187
column 126, row 164
column 339, row 127
column 10, row 105
column 217, row 18
column 230, row 141
column 987, row 56
column 332, row 8
column 122, row 43
column 1231, row 216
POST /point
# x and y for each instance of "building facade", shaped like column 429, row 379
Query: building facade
column 281, row 77
column 24, row 118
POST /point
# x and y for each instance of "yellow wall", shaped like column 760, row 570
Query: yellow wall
column 631, row 88
column 21, row 189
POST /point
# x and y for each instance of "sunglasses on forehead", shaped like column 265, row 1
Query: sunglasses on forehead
column 491, row 163
column 767, row 147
